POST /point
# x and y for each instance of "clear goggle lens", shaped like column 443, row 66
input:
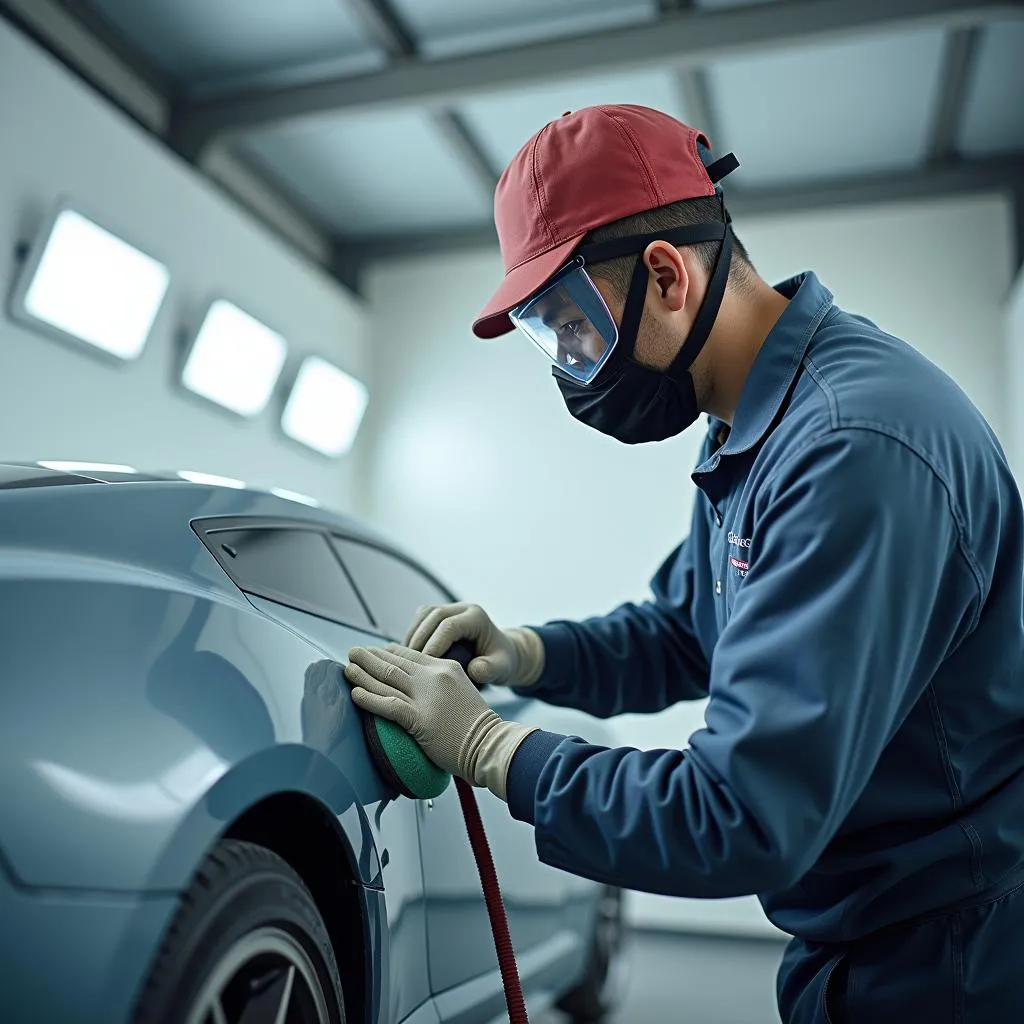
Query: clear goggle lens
column 570, row 323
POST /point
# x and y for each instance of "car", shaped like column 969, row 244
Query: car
column 191, row 829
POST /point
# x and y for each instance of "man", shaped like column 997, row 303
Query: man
column 849, row 598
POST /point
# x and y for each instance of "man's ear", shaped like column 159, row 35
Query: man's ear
column 670, row 273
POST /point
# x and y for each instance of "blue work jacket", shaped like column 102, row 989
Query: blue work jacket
column 849, row 598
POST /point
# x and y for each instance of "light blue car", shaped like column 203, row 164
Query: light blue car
column 191, row 831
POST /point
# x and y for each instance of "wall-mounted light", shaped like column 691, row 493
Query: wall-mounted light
column 325, row 407
column 235, row 360
column 84, row 283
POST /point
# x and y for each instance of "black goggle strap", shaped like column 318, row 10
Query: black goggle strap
column 709, row 308
column 631, row 245
column 706, row 315
column 634, row 245
column 717, row 231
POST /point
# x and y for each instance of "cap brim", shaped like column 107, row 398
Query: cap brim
column 518, row 285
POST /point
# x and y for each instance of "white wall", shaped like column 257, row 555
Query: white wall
column 472, row 461
column 59, row 138
column 1015, row 375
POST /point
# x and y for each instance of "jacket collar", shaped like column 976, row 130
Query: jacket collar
column 775, row 367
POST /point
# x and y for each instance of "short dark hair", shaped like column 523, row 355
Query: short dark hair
column 619, row 271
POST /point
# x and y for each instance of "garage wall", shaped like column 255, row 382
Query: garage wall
column 477, row 466
column 1015, row 375
column 59, row 138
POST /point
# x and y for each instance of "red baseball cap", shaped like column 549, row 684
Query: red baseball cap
column 578, row 173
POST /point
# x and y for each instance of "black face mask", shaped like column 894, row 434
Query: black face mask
column 630, row 402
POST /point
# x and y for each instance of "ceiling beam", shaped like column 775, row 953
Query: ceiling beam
column 953, row 179
column 1018, row 226
column 86, row 45
column 91, row 49
column 463, row 142
column 694, row 87
column 386, row 27
column 695, row 93
column 958, row 68
column 683, row 39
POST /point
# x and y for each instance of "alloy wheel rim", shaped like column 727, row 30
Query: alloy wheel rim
column 265, row 977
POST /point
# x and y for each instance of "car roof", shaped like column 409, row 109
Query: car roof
column 236, row 497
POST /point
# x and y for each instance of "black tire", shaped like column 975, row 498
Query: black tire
column 248, row 934
column 597, row 994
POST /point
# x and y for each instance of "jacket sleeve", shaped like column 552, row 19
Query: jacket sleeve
column 858, row 588
column 640, row 657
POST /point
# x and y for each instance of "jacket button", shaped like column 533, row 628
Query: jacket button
column 718, row 586
column 718, row 519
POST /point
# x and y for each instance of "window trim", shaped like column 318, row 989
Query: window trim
column 398, row 556
column 206, row 528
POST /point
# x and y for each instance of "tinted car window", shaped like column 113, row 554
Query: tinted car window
column 392, row 588
column 293, row 567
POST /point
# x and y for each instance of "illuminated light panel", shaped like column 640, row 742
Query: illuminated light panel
column 325, row 407
column 94, row 286
column 235, row 360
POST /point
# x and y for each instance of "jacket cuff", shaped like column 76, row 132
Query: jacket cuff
column 524, row 771
column 559, row 655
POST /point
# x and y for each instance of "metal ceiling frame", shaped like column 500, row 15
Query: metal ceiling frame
column 959, row 61
column 694, row 87
column 384, row 25
column 90, row 47
column 950, row 178
column 679, row 39
column 683, row 38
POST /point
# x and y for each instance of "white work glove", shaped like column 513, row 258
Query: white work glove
column 436, row 703
column 510, row 657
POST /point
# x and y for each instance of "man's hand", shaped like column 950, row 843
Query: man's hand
column 512, row 657
column 437, row 704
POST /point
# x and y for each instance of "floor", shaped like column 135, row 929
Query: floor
column 699, row 979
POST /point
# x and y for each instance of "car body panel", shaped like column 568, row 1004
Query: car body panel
column 73, row 956
column 148, row 703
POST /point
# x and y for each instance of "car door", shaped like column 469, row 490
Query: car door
column 293, row 575
column 463, row 971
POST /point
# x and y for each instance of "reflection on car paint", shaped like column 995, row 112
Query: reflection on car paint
column 149, row 705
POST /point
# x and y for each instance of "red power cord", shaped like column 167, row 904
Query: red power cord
column 495, row 905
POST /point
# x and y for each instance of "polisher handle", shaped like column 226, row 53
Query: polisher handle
column 463, row 652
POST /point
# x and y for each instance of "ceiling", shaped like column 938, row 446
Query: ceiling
column 383, row 124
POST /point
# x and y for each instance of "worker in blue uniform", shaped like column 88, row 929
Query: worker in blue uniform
column 849, row 599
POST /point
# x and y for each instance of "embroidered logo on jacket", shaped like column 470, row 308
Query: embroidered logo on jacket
column 741, row 560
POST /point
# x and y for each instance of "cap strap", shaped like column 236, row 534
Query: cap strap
column 721, row 167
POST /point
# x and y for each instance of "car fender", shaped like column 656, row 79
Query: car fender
column 138, row 720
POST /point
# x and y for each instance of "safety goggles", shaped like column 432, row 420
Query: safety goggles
column 570, row 323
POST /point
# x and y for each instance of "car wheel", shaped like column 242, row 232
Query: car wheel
column 598, row 993
column 247, row 943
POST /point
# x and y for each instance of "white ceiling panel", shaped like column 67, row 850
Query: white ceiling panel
column 382, row 174
column 504, row 122
column 447, row 27
column 243, row 42
column 994, row 115
column 834, row 110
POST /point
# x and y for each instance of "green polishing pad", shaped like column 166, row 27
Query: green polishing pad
column 401, row 761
